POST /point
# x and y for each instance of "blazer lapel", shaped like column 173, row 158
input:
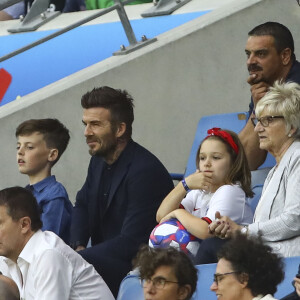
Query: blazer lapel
column 120, row 172
column 272, row 183
column 95, row 197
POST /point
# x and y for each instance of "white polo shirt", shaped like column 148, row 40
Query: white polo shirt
column 48, row 269
column 229, row 200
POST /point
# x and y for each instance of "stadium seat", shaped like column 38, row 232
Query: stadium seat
column 130, row 287
column 232, row 121
column 205, row 280
column 290, row 270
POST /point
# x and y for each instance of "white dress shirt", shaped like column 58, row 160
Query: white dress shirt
column 48, row 269
column 267, row 297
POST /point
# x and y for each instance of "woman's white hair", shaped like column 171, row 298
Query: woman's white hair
column 283, row 99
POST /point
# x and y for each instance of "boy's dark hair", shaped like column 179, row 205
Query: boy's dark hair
column 20, row 203
column 55, row 134
column 118, row 102
column 251, row 258
column 282, row 36
column 149, row 259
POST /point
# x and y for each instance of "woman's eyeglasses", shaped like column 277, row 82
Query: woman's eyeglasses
column 265, row 121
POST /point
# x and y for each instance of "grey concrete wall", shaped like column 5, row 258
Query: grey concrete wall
column 194, row 70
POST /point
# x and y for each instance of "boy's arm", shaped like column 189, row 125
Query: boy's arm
column 52, row 212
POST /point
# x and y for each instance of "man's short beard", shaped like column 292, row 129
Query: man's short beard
column 104, row 152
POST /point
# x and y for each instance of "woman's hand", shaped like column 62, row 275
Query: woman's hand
column 223, row 227
column 199, row 181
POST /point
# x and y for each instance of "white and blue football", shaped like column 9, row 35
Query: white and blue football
column 171, row 233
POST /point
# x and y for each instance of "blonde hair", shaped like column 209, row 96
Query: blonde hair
column 283, row 99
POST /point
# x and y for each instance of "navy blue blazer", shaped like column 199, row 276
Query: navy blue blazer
column 139, row 185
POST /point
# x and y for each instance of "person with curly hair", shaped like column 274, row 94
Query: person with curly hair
column 247, row 270
column 166, row 274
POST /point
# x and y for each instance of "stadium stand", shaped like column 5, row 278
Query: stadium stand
column 131, row 288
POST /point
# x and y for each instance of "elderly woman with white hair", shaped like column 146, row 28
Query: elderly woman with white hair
column 277, row 215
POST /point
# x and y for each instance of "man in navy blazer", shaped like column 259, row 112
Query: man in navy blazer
column 125, row 185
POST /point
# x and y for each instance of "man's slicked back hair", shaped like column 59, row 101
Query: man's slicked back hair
column 282, row 36
column 118, row 102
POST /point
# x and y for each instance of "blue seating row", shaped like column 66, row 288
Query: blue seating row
column 131, row 289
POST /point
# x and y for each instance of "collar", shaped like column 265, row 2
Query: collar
column 28, row 252
column 39, row 186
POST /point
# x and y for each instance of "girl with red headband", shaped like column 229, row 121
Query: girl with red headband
column 221, row 183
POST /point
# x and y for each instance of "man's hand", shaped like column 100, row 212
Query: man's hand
column 79, row 248
column 258, row 89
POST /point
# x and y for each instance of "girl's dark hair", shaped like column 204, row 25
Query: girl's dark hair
column 239, row 170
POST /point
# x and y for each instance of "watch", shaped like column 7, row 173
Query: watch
column 244, row 230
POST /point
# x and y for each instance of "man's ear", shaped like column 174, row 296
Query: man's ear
column 25, row 224
column 121, row 130
column 184, row 291
column 286, row 56
column 53, row 154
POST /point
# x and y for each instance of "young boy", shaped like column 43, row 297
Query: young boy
column 40, row 145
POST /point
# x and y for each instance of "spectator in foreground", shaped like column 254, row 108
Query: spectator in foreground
column 40, row 263
column 41, row 142
column 247, row 270
column 166, row 274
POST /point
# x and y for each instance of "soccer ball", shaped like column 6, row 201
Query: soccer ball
column 171, row 233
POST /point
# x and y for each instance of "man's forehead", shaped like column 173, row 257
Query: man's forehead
column 96, row 113
column 260, row 42
column 4, row 211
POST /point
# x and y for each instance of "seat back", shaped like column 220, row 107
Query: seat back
column 205, row 280
column 130, row 287
column 232, row 121
column 290, row 270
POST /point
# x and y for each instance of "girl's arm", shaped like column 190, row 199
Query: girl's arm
column 197, row 180
column 171, row 202
column 194, row 225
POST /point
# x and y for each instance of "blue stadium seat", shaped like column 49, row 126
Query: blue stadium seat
column 130, row 288
column 291, row 269
column 205, row 280
column 232, row 121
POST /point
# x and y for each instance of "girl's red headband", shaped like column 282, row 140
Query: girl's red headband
column 224, row 136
